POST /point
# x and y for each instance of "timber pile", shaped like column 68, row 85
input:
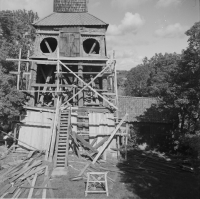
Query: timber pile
column 20, row 180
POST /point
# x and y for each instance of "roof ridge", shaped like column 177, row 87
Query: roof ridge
column 123, row 96
column 43, row 18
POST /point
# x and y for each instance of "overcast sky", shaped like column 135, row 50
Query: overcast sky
column 138, row 28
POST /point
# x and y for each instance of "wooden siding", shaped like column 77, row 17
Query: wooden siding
column 36, row 129
column 101, row 123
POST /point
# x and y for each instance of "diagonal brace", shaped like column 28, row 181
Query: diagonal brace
column 87, row 85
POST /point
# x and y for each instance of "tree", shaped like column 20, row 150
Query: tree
column 16, row 32
column 175, row 80
column 152, row 77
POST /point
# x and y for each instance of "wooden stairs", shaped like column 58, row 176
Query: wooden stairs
column 62, row 143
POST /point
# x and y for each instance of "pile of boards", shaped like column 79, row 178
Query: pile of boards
column 19, row 181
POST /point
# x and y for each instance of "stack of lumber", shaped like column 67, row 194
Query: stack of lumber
column 20, row 180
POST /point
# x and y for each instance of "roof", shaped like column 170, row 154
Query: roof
column 141, row 109
column 70, row 19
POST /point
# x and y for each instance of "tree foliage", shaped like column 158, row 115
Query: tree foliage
column 16, row 32
column 175, row 80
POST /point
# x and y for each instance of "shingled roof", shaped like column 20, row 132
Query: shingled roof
column 141, row 109
column 70, row 19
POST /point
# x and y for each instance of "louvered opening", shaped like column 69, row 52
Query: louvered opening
column 91, row 46
column 48, row 45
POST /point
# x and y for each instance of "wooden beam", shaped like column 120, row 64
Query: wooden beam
column 47, row 45
column 109, row 139
column 45, row 77
column 53, row 137
column 32, row 188
column 48, row 32
column 93, row 33
column 86, row 64
column 19, row 69
column 53, row 85
column 79, row 59
column 16, row 73
column 84, row 73
column 93, row 46
column 32, row 60
column 88, row 85
column 69, row 130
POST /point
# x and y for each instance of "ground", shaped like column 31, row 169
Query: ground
column 158, row 181
column 141, row 176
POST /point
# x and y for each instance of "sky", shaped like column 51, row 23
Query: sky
column 137, row 28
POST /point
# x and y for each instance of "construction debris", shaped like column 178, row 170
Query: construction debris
column 19, row 180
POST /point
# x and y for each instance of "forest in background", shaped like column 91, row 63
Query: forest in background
column 174, row 79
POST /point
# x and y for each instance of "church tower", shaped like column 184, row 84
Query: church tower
column 72, row 81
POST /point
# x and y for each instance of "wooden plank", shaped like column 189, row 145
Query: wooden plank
column 19, row 69
column 34, row 60
column 36, row 163
column 93, row 46
column 40, row 109
column 5, row 188
column 33, row 184
column 47, row 45
column 33, row 172
column 109, row 140
column 69, row 130
column 101, row 142
column 5, row 194
column 79, row 59
column 38, row 187
column 85, row 143
column 50, row 190
column 93, row 33
column 85, row 64
column 53, row 85
column 54, row 130
column 84, row 73
column 94, row 141
column 43, row 74
column 16, row 193
column 44, row 184
column 47, row 32
column 84, row 169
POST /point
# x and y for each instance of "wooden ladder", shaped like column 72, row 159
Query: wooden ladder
column 62, row 143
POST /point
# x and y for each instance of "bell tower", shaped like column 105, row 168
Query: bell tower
column 76, row 38
column 69, row 75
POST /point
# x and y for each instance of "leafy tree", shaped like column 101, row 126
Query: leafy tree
column 150, row 78
column 175, row 80
column 16, row 32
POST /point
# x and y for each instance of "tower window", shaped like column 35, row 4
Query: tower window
column 48, row 45
column 91, row 46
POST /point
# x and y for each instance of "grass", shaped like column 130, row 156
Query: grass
column 133, row 184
